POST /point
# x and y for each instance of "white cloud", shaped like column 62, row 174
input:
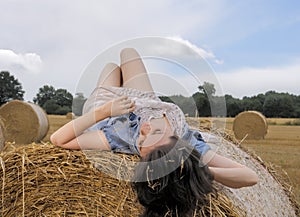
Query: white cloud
column 251, row 81
column 30, row 62
column 176, row 46
column 193, row 47
column 188, row 46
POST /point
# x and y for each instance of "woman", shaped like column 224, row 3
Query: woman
column 123, row 114
column 175, row 193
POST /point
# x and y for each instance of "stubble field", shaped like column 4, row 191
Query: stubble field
column 281, row 146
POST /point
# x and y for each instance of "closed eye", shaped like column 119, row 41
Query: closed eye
column 157, row 131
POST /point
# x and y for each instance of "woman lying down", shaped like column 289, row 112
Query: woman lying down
column 177, row 167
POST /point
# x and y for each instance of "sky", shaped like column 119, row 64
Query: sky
column 250, row 47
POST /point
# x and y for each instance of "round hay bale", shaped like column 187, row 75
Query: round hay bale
column 24, row 122
column 2, row 138
column 44, row 180
column 250, row 125
column 70, row 115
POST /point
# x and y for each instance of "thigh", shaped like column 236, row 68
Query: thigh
column 110, row 76
column 134, row 73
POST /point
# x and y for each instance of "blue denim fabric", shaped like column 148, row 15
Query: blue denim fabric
column 194, row 138
column 122, row 132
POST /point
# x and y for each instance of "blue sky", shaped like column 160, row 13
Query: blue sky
column 253, row 46
column 264, row 35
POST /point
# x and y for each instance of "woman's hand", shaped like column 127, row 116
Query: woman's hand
column 119, row 106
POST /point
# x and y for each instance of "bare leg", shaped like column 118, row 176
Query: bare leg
column 133, row 71
column 110, row 76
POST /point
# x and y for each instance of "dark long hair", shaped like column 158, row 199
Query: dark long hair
column 171, row 180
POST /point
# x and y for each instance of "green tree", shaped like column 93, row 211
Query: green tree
column 253, row 103
column 51, row 107
column 63, row 98
column 186, row 104
column 278, row 105
column 204, row 99
column 166, row 98
column 233, row 106
column 10, row 88
column 207, row 88
column 45, row 93
column 63, row 110
column 296, row 100
column 78, row 103
column 54, row 101
column 203, row 104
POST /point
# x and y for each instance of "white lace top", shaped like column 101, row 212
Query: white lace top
column 147, row 105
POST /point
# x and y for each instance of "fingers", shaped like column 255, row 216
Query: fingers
column 121, row 98
column 126, row 102
column 122, row 105
column 129, row 105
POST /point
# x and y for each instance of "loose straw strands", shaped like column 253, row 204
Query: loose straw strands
column 43, row 180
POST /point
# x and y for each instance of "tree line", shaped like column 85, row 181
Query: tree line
column 60, row 101
column 54, row 101
column 271, row 103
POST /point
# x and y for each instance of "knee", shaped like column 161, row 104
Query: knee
column 111, row 66
column 128, row 53
column 107, row 70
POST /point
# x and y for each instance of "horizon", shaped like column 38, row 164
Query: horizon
column 251, row 46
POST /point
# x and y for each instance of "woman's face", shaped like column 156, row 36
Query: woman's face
column 154, row 134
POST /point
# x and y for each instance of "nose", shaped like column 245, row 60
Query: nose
column 145, row 128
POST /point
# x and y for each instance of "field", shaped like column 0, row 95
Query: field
column 281, row 147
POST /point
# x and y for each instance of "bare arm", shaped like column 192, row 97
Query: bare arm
column 70, row 132
column 229, row 172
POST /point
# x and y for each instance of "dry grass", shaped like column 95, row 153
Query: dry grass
column 270, row 149
column 281, row 145
column 44, row 180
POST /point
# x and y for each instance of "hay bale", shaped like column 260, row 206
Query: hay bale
column 44, row 180
column 70, row 115
column 250, row 125
column 267, row 198
column 24, row 122
column 2, row 138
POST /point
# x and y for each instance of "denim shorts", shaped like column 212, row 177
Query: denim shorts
column 122, row 132
column 194, row 138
